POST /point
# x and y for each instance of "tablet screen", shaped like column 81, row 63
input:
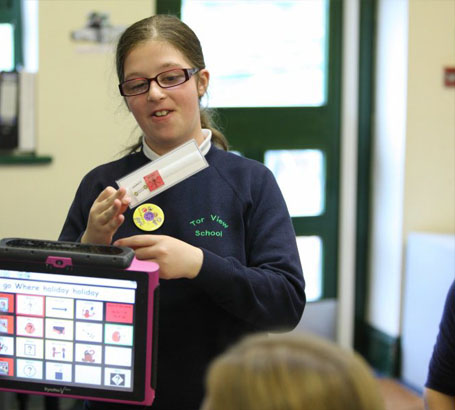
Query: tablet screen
column 66, row 333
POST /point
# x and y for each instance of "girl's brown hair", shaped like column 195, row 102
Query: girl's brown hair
column 290, row 372
column 170, row 29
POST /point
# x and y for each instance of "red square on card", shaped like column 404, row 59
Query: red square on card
column 119, row 312
column 6, row 367
column 7, row 324
column 154, row 180
column 6, row 302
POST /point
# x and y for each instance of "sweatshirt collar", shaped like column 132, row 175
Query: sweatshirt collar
column 204, row 147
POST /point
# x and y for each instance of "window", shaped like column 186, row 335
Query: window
column 10, row 35
column 301, row 169
column 7, row 49
column 301, row 177
column 288, row 57
column 310, row 251
column 18, row 65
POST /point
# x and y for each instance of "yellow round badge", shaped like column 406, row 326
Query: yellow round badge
column 148, row 217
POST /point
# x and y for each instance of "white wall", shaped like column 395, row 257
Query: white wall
column 430, row 260
column 414, row 144
column 429, row 194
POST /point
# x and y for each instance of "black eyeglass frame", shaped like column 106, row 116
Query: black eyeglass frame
column 189, row 72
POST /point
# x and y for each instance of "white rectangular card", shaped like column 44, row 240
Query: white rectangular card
column 163, row 173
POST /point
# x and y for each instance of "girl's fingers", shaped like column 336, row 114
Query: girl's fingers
column 116, row 222
column 146, row 253
column 108, row 197
column 137, row 241
column 105, row 193
column 110, row 213
column 110, row 203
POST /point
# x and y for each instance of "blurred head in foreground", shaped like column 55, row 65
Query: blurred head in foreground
column 290, row 372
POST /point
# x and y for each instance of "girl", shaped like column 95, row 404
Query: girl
column 225, row 244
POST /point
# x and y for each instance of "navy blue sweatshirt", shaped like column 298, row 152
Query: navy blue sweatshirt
column 441, row 373
column 251, row 278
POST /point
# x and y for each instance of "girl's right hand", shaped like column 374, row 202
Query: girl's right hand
column 106, row 215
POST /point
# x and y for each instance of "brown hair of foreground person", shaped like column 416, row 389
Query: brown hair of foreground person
column 290, row 372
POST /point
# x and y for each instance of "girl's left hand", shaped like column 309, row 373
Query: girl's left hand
column 177, row 259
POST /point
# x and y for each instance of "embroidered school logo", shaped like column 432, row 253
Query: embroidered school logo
column 209, row 226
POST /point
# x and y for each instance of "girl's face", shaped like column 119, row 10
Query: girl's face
column 168, row 117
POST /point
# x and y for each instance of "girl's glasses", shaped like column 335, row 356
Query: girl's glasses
column 167, row 79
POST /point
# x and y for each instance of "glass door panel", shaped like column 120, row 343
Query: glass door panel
column 301, row 177
column 311, row 251
column 6, row 50
column 265, row 53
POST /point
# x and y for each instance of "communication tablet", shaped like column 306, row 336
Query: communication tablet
column 80, row 253
column 69, row 328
